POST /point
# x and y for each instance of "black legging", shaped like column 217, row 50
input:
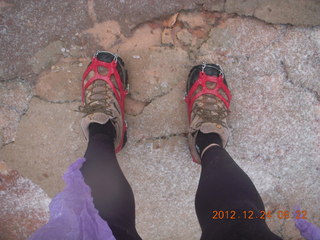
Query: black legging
column 223, row 186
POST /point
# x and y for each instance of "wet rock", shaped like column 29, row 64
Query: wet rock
column 63, row 81
column 24, row 205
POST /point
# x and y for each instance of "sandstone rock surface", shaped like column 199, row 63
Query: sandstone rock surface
column 24, row 205
column 272, row 71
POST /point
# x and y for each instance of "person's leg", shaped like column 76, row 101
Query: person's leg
column 111, row 192
column 225, row 187
column 228, row 205
column 104, row 87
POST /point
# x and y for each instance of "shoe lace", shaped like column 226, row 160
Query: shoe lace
column 212, row 110
column 99, row 99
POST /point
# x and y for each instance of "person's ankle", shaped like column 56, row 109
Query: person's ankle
column 206, row 140
column 102, row 129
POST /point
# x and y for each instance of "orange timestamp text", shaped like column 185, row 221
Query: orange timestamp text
column 249, row 214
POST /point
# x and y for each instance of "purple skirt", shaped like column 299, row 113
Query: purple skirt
column 72, row 213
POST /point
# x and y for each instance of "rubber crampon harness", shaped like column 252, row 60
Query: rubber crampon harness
column 202, row 83
column 119, row 93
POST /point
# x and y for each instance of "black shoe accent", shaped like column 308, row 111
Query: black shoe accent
column 108, row 57
column 210, row 69
column 125, row 139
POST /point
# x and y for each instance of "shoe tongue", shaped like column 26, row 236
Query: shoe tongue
column 208, row 127
column 99, row 117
